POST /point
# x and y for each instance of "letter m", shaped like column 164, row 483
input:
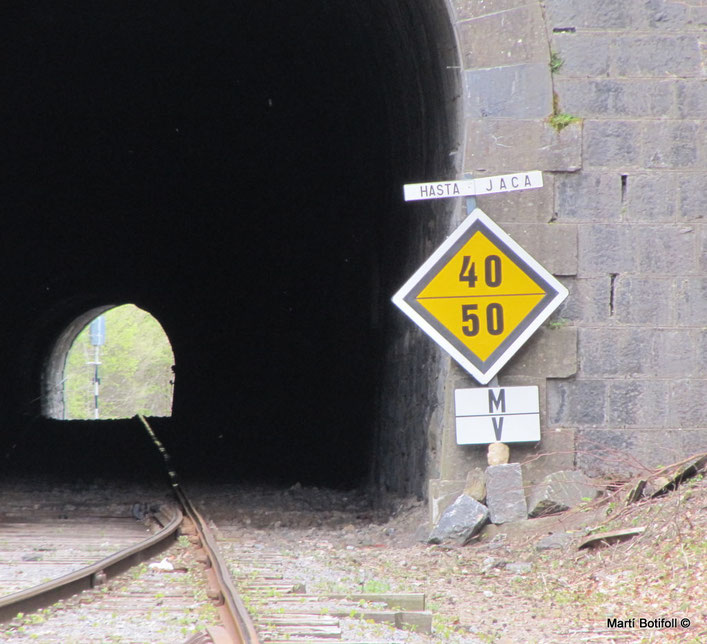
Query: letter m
column 497, row 402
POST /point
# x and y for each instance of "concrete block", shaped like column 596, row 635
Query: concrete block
column 692, row 98
column 518, row 36
column 692, row 196
column 622, row 453
column 635, row 300
column 691, row 301
column 515, row 91
column 523, row 205
column 505, row 494
column 553, row 245
column 665, row 250
column 650, row 196
column 496, row 145
column 550, row 353
column 612, row 143
column 460, row 521
column 672, row 144
column 588, row 196
column 583, row 55
column 599, row 14
column 588, row 300
column 687, row 403
column 605, row 249
column 576, row 403
column 560, row 491
column 616, row 98
column 638, row 403
column 659, row 56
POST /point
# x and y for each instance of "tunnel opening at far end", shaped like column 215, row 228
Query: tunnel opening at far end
column 118, row 364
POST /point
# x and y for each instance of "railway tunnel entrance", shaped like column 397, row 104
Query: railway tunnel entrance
column 235, row 169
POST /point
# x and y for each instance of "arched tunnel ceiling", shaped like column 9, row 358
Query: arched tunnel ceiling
column 234, row 169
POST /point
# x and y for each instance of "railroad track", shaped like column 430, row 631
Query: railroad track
column 97, row 558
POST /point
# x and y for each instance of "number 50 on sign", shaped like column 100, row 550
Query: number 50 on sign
column 480, row 296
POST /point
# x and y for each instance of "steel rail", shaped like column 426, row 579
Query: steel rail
column 93, row 575
column 238, row 628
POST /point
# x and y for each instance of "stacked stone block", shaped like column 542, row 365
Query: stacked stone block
column 634, row 72
column 621, row 366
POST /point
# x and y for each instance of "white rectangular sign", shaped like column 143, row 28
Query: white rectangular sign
column 471, row 187
column 505, row 414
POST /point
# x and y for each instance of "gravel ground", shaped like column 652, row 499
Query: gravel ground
column 500, row 588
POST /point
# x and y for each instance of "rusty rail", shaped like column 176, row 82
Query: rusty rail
column 238, row 628
column 88, row 577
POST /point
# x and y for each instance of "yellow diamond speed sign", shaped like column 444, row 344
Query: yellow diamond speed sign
column 480, row 296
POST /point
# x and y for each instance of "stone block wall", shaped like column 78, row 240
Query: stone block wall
column 621, row 366
column 634, row 73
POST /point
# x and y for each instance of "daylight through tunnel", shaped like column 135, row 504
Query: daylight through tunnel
column 236, row 169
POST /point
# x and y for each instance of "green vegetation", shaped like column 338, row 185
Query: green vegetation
column 135, row 369
column 556, row 62
column 562, row 120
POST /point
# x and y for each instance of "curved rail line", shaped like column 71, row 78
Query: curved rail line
column 88, row 577
column 237, row 626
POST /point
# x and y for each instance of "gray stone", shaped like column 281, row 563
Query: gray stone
column 505, row 495
column 554, row 541
column 515, row 91
column 671, row 144
column 553, row 245
column 442, row 493
column 692, row 98
column 618, row 351
column 691, row 295
column 666, row 250
column 518, row 36
column 519, row 568
column 612, row 143
column 490, row 563
column 551, row 353
column 589, row 301
column 666, row 55
column 623, row 453
column 588, row 196
column 650, row 196
column 460, row 521
column 687, row 404
column 638, row 403
column 583, row 54
column 635, row 300
column 599, row 14
column 560, row 491
column 605, row 249
column 616, row 98
column 576, row 403
column 692, row 195
column 474, row 9
column 493, row 144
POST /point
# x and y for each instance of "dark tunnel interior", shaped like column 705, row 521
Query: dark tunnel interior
column 236, row 170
